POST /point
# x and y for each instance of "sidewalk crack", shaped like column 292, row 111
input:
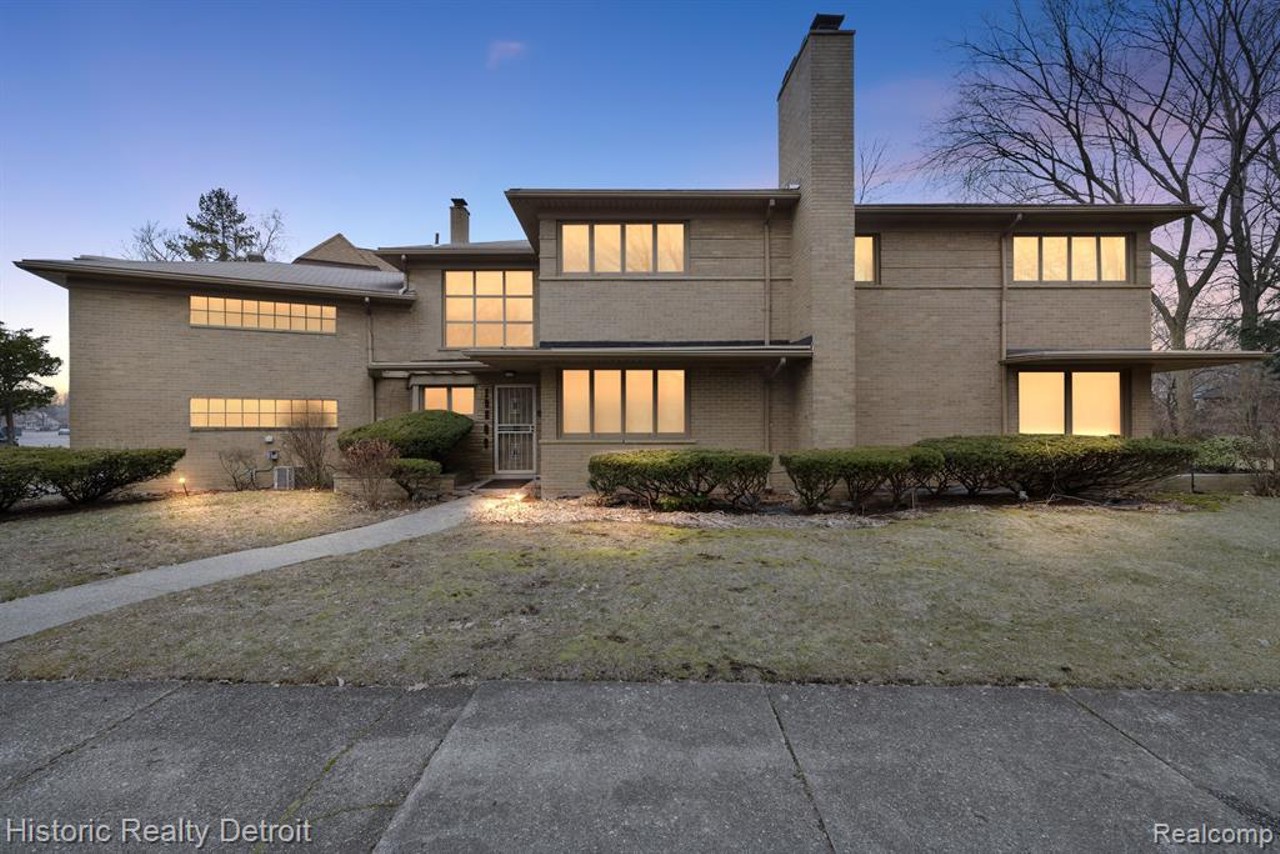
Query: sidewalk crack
column 1249, row 811
column 799, row 772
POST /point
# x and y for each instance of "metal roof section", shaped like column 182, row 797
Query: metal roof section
column 315, row 279
column 1160, row 361
column 530, row 204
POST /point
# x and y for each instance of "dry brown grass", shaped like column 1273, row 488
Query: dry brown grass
column 50, row 549
column 1008, row 595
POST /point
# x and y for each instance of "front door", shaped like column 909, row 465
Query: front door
column 514, row 424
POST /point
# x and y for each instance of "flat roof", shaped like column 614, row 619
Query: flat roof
column 316, row 279
column 1159, row 361
column 659, row 354
column 1028, row 216
column 492, row 250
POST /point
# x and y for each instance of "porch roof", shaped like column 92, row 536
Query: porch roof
column 1158, row 360
column 649, row 353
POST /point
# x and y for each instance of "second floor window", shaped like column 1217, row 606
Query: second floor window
column 488, row 308
column 626, row 248
column 1070, row 258
column 864, row 258
column 263, row 315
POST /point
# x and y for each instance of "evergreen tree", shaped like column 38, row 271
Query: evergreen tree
column 218, row 232
column 23, row 357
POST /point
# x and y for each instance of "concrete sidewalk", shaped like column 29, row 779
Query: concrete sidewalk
column 670, row 767
column 31, row 614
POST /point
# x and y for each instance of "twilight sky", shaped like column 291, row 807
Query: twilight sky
column 367, row 117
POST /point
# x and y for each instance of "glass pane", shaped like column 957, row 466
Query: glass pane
column 458, row 335
column 1084, row 259
column 520, row 283
column 864, row 258
column 235, row 305
column 573, row 249
column 1113, row 259
column 671, row 247
column 519, row 308
column 250, row 405
column 199, row 318
column 671, row 402
column 639, row 401
column 488, row 334
column 217, row 318
column 489, row 282
column 435, row 398
column 200, row 303
column 217, row 304
column 639, row 247
column 1055, row 258
column 330, row 326
column 327, row 311
column 199, row 404
column 1026, row 259
column 1095, row 403
column 331, row 407
column 459, row 308
column 575, row 408
column 608, row 249
column 489, row 308
column 608, row 401
column 457, row 282
column 464, row 400
column 313, row 324
column 1042, row 402
column 519, row 334
column 295, row 310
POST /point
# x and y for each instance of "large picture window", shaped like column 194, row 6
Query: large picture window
column 622, row 248
column 1089, row 403
column 1070, row 258
column 622, row 403
column 240, row 412
column 263, row 315
column 488, row 308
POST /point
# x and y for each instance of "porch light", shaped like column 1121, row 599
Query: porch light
column 183, row 482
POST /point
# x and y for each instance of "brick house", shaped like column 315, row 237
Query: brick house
column 766, row 319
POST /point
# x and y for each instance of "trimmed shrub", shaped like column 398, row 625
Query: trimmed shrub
column 813, row 474
column 1071, row 465
column 21, row 477
column 419, row 478
column 428, row 435
column 862, row 470
column 1224, row 454
column 684, row 479
column 85, row 476
column 978, row 463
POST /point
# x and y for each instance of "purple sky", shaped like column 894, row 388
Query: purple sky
column 366, row 118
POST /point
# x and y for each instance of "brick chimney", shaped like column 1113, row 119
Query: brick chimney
column 815, row 153
column 459, row 222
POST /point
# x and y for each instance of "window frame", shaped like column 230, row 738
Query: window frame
column 1126, row 397
column 622, row 272
column 875, row 259
column 322, row 308
column 623, row 436
column 449, row 390
column 1070, row 237
column 240, row 401
column 532, row 323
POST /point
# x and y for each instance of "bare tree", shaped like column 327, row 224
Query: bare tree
column 1124, row 101
column 151, row 242
column 272, row 242
column 872, row 175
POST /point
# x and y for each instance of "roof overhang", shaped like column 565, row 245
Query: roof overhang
column 595, row 356
column 428, row 367
column 500, row 252
column 532, row 205
column 1029, row 217
column 62, row 274
column 1158, row 360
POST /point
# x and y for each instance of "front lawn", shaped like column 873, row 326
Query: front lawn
column 1071, row 596
column 49, row 549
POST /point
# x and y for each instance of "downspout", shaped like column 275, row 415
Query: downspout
column 1004, row 324
column 768, row 274
column 768, row 404
column 373, row 381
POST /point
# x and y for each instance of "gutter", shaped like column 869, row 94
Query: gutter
column 768, row 273
column 373, row 382
column 1004, row 321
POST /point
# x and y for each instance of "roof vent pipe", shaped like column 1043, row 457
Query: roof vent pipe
column 459, row 222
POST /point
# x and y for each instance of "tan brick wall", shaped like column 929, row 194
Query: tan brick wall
column 135, row 362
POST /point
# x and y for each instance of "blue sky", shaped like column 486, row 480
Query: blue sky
column 367, row 117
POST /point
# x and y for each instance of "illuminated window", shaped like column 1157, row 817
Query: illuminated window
column 488, row 308
column 631, row 248
column 864, row 258
column 264, row 315
column 237, row 413
column 459, row 398
column 1090, row 401
column 1077, row 258
column 622, row 402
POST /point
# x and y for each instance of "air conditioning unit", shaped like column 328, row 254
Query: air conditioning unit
column 282, row 477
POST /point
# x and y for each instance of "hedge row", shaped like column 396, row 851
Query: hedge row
column 682, row 479
column 80, row 476
column 426, row 435
column 1037, row 466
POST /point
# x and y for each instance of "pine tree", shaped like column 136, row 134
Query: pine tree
column 218, row 232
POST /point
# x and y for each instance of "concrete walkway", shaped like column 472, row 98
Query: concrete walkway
column 31, row 614
column 569, row 767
